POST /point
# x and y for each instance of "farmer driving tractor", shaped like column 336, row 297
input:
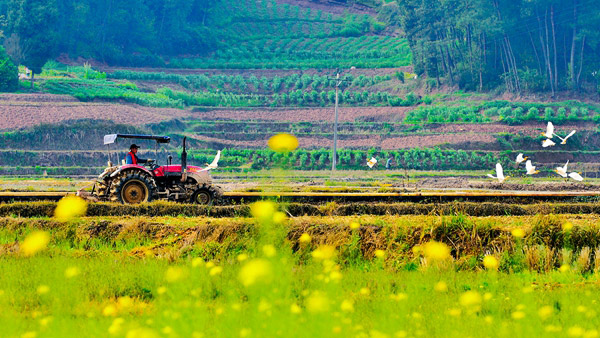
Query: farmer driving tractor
column 131, row 157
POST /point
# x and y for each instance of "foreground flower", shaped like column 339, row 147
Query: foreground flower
column 470, row 299
column 305, row 238
column 70, row 207
column 263, row 211
column 379, row 253
column 283, row 143
column 518, row 233
column 436, row 251
column 317, row 302
column 256, row 271
column 174, row 274
column 490, row 262
column 324, row 252
column 72, row 272
column 35, row 242
column 441, row 286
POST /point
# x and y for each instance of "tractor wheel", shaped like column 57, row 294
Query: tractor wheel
column 134, row 188
column 205, row 194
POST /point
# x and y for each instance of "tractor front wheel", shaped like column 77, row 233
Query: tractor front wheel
column 134, row 189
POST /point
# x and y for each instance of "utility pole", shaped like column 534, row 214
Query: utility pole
column 335, row 126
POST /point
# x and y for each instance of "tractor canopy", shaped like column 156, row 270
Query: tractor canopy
column 111, row 138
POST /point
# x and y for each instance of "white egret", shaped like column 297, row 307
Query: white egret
column 520, row 159
column 530, row 168
column 576, row 176
column 548, row 143
column 371, row 162
column 549, row 130
column 564, row 140
column 499, row 174
column 214, row 164
column 562, row 171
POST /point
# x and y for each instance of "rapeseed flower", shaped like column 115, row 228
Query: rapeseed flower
column 34, row 243
column 518, row 315
column 490, row 262
column 256, row 271
column 263, row 211
column 70, row 207
column 269, row 250
column 283, row 142
column 436, row 251
column 354, row 225
column 43, row 289
column 518, row 233
column 317, row 302
column 568, row 226
column 379, row 253
column 72, row 272
column 545, row 312
column 175, row 274
column 441, row 286
column 141, row 332
column 305, row 238
column 324, row 252
column 470, row 299
column 347, row 306
column 215, row 270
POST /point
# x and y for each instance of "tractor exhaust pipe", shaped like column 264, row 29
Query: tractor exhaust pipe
column 184, row 162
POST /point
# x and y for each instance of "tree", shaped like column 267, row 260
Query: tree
column 9, row 74
column 32, row 28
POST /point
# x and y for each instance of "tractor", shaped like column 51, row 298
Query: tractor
column 134, row 183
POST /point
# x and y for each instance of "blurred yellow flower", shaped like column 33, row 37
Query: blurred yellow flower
column 567, row 226
column 72, row 272
column 283, row 143
column 116, row 326
column 347, row 306
column 518, row 233
column 29, row 334
column 175, row 274
column 436, row 251
column 215, row 270
column 490, row 262
column 417, row 249
column 34, row 243
column 379, row 253
column 470, row 299
column 279, row 217
column 269, row 250
column 43, row 289
column 295, row 309
column 553, row 328
column 45, row 321
column 161, row 290
column 256, row 271
column 518, row 315
column 110, row 310
column 545, row 312
column 575, row 331
column 441, row 286
column 365, row 291
column 324, row 252
column 70, row 207
column 141, row 332
column 245, row 333
column 305, row 238
column 317, row 302
column 354, row 225
column 196, row 262
column 242, row 257
column 263, row 211
column 564, row 268
column 454, row 312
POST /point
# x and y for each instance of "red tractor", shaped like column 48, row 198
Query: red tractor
column 134, row 183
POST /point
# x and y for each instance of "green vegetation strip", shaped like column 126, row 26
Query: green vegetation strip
column 46, row 209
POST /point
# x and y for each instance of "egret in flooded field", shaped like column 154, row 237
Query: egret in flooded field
column 576, row 176
column 371, row 162
column 549, row 130
column 520, row 159
column 564, row 140
column 548, row 143
column 214, row 164
column 530, row 168
column 499, row 174
column 562, row 171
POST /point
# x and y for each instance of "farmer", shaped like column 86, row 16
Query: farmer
column 131, row 157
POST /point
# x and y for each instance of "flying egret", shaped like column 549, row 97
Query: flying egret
column 562, row 171
column 564, row 140
column 530, row 168
column 214, row 164
column 371, row 162
column 576, row 176
column 549, row 130
column 499, row 174
column 548, row 143
column 520, row 159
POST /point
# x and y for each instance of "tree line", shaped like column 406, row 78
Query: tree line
column 522, row 45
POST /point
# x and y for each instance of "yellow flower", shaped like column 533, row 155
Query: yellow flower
column 545, row 312
column 245, row 333
column 379, row 253
column 125, row 302
column 70, row 207
column 215, row 270
column 72, row 272
column 564, row 268
column 196, row 262
column 324, row 252
column 161, row 290
column 110, row 310
column 518, row 315
column 454, row 312
column 174, row 274
column 242, row 257
column 35, row 242
column 575, row 331
column 283, row 143
column 518, row 233
column 269, row 250
column 365, row 291
column 116, row 326
column 441, row 286
column 470, row 299
column 567, row 226
column 347, row 306
column 279, row 217
column 436, row 251
column 354, row 225
column 29, row 334
column 490, row 262
column 256, row 271
column 305, row 238
column 43, row 289
column 295, row 309
column 417, row 249
column 317, row 302
column 141, row 332
column 263, row 211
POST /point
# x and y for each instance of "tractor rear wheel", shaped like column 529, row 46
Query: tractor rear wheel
column 134, row 188
column 205, row 194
